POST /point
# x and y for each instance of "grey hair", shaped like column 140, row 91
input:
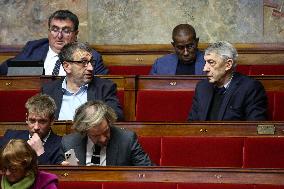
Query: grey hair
column 68, row 50
column 91, row 114
column 225, row 49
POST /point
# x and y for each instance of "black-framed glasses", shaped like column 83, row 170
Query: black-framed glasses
column 83, row 62
column 66, row 31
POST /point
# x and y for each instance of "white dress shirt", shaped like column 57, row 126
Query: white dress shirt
column 50, row 61
column 89, row 153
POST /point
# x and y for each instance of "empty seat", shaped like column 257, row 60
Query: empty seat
column 129, row 70
column 266, row 70
column 202, row 151
column 13, row 104
column 244, row 69
column 278, row 107
column 264, row 152
column 152, row 146
column 163, row 105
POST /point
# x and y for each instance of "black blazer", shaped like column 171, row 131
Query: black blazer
column 123, row 148
column 98, row 89
column 53, row 153
column 245, row 99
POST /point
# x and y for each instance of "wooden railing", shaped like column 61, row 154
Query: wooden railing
column 167, row 175
column 145, row 54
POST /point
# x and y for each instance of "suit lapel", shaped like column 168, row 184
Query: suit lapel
column 112, row 150
column 229, row 93
column 58, row 96
column 80, row 151
column 208, row 95
column 91, row 94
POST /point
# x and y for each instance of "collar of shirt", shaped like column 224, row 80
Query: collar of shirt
column 82, row 89
column 45, row 138
column 51, row 53
column 229, row 82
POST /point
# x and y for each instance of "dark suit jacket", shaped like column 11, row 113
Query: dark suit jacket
column 53, row 152
column 167, row 65
column 123, row 148
column 245, row 99
column 98, row 89
column 37, row 50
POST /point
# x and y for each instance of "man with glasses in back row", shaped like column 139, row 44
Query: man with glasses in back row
column 62, row 29
column 187, row 59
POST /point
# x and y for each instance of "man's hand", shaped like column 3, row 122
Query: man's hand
column 36, row 143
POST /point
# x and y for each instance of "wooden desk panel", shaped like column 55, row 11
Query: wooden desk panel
column 145, row 54
column 167, row 174
column 234, row 129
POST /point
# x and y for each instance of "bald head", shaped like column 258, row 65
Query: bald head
column 183, row 30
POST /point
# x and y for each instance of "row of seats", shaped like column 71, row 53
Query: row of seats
column 238, row 152
column 245, row 69
column 143, row 98
column 221, row 145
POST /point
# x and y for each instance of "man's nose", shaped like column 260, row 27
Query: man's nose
column 206, row 67
column 60, row 35
column 36, row 125
column 186, row 51
column 90, row 66
column 103, row 139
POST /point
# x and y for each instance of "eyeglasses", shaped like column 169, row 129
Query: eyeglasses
column 66, row 31
column 187, row 46
column 83, row 62
column 40, row 121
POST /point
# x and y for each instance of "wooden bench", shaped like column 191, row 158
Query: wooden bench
column 138, row 59
column 166, row 177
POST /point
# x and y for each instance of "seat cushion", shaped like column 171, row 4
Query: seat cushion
column 202, row 151
column 264, row 152
column 163, row 105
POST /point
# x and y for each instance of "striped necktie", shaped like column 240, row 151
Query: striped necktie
column 56, row 68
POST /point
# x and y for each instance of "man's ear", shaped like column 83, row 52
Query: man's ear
column 197, row 41
column 52, row 119
column 66, row 66
column 229, row 64
column 76, row 35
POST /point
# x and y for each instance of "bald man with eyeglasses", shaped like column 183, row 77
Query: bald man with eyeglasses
column 62, row 29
